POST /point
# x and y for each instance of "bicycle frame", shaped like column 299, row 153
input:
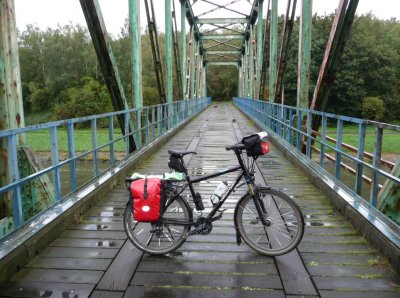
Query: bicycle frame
column 243, row 174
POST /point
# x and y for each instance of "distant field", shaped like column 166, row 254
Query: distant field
column 40, row 140
column 391, row 139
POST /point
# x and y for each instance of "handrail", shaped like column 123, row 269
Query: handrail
column 155, row 121
column 294, row 125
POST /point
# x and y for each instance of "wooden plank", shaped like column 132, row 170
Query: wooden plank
column 55, row 275
column 358, row 294
column 69, row 263
column 171, row 267
column 365, row 284
column 121, row 270
column 202, row 292
column 84, row 234
column 109, row 294
column 45, row 289
column 77, row 252
column 92, row 243
column 208, row 280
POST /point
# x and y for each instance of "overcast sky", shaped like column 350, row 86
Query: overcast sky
column 49, row 13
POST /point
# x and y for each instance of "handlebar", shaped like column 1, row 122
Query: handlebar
column 238, row 146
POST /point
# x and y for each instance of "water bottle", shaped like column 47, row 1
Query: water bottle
column 219, row 192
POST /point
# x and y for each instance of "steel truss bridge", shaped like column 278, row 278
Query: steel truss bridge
column 61, row 231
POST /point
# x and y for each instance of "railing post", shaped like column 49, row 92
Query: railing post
column 126, row 120
column 376, row 164
column 153, row 120
column 17, row 211
column 299, row 128
column 111, row 139
column 291, row 126
column 54, row 162
column 323, row 140
column 71, row 155
column 309, row 134
column 339, row 139
column 360, row 156
column 94, row 146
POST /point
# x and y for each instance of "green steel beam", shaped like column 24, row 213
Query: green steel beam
column 208, row 52
column 183, row 47
column 222, row 63
column 221, row 36
column 168, row 51
column 192, row 63
column 304, row 70
column 11, row 105
column 273, row 50
column 191, row 20
column 136, row 53
column 334, row 51
column 227, row 21
column 259, row 48
column 251, row 60
column 98, row 32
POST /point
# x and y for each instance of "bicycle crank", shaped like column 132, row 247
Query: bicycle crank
column 203, row 227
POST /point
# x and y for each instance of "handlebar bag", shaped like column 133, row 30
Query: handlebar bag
column 256, row 144
column 148, row 199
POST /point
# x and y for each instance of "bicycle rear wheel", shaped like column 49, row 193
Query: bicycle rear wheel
column 285, row 222
column 157, row 238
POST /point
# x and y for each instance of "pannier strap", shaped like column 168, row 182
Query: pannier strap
column 145, row 195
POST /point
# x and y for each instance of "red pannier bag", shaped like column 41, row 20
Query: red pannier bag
column 147, row 195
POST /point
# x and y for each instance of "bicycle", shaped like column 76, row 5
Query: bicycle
column 266, row 219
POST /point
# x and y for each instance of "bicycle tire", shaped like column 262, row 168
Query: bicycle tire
column 157, row 238
column 286, row 227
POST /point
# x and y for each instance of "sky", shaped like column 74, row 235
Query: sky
column 50, row 13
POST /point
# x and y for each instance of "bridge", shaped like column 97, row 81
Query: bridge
column 62, row 233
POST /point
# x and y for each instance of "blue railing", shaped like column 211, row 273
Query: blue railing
column 294, row 125
column 143, row 125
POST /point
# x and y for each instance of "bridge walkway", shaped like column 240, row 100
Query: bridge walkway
column 94, row 258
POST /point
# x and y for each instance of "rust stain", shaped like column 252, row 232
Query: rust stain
column 18, row 118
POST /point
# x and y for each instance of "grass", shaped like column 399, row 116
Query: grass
column 40, row 140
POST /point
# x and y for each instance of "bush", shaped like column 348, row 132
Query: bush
column 373, row 108
column 91, row 99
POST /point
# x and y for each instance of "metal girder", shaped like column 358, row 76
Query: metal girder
column 168, row 52
column 222, row 63
column 94, row 19
column 221, row 36
column 265, row 52
column 220, row 43
column 273, row 50
column 228, row 21
column 218, row 7
column 176, row 51
column 285, row 45
column 208, row 52
column 155, row 48
column 304, row 70
column 190, row 17
column 340, row 30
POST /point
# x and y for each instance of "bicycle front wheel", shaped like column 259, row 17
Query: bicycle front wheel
column 284, row 226
column 157, row 238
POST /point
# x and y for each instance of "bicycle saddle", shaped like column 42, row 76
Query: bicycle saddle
column 180, row 153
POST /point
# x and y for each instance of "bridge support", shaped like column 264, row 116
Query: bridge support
column 273, row 57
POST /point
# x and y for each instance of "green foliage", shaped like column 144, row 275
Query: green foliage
column 92, row 98
column 40, row 98
column 54, row 61
column 373, row 108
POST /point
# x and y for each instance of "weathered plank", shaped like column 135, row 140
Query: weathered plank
column 120, row 272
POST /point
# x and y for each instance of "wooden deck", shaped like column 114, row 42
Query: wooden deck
column 93, row 257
